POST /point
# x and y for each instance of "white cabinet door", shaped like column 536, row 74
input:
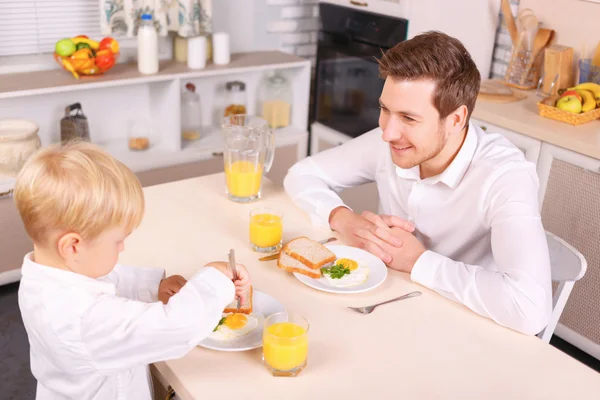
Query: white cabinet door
column 570, row 208
column 360, row 198
column 529, row 146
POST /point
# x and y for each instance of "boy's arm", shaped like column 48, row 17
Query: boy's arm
column 136, row 283
column 120, row 333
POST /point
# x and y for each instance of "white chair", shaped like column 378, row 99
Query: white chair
column 567, row 266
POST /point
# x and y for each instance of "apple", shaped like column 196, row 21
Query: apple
column 569, row 103
column 572, row 93
column 110, row 44
column 65, row 47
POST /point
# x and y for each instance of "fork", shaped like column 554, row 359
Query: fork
column 369, row 309
column 232, row 267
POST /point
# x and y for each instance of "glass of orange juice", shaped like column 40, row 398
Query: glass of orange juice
column 285, row 344
column 266, row 230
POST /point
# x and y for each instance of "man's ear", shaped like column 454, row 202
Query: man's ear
column 69, row 247
column 456, row 121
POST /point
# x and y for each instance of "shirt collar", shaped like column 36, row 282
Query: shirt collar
column 454, row 173
column 33, row 270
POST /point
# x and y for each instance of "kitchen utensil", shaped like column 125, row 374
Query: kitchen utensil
column 509, row 19
column 596, row 57
column 18, row 141
column 248, row 155
column 527, row 24
column 74, row 125
column 497, row 92
column 274, row 256
column 558, row 66
column 369, row 309
column 542, row 39
column 233, row 269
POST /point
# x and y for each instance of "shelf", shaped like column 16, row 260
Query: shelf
column 59, row 80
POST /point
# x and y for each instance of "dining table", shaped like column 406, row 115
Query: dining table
column 427, row 347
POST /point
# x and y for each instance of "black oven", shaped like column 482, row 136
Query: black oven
column 347, row 83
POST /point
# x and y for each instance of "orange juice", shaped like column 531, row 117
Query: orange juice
column 285, row 346
column 266, row 229
column 243, row 178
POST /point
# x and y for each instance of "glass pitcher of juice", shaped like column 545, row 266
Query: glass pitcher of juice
column 248, row 155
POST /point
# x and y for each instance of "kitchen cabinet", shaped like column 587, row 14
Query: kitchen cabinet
column 14, row 242
column 360, row 198
column 529, row 146
column 570, row 208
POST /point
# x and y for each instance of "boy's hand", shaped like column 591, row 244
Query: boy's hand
column 242, row 284
column 169, row 286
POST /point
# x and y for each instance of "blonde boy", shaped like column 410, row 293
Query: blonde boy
column 93, row 325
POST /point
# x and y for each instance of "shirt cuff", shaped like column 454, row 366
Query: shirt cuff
column 324, row 212
column 425, row 269
column 221, row 284
column 149, row 284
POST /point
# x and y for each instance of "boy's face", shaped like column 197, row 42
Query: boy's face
column 97, row 257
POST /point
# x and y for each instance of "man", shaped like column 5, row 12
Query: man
column 459, row 207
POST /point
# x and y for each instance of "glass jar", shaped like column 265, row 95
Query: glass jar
column 235, row 102
column 191, row 118
column 275, row 99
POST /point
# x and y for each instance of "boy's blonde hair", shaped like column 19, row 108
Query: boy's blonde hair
column 76, row 187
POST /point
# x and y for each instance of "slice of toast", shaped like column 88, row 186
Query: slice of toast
column 245, row 307
column 289, row 264
column 309, row 252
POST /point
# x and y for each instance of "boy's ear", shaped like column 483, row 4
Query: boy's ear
column 69, row 246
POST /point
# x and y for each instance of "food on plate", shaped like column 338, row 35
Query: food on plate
column 235, row 325
column 305, row 256
column 245, row 306
column 346, row 273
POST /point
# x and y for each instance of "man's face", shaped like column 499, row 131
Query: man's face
column 410, row 122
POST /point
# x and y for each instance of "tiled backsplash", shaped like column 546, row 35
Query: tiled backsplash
column 299, row 22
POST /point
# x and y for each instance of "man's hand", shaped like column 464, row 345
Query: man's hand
column 368, row 231
column 242, row 284
column 169, row 286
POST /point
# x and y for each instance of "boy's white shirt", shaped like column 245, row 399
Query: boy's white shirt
column 94, row 338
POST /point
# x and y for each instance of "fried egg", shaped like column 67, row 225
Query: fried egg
column 359, row 272
column 235, row 325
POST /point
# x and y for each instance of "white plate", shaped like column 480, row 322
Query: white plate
column 377, row 271
column 263, row 305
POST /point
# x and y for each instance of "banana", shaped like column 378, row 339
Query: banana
column 93, row 44
column 589, row 102
column 591, row 86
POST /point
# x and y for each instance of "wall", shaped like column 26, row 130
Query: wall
column 578, row 30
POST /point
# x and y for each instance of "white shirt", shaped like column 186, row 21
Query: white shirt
column 93, row 339
column 479, row 220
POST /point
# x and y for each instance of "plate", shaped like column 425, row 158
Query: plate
column 377, row 271
column 263, row 305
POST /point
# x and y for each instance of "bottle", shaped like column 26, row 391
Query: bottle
column 236, row 98
column 147, row 46
column 191, row 119
column 275, row 98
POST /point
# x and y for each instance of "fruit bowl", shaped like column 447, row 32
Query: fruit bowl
column 84, row 57
column 577, row 105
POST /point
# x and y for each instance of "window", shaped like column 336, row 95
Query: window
column 33, row 27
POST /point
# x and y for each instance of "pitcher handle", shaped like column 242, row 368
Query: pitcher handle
column 270, row 155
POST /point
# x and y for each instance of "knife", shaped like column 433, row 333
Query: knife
column 274, row 256
column 233, row 271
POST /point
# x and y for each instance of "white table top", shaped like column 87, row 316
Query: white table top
column 426, row 347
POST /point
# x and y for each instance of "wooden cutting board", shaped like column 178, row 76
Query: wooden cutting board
column 497, row 92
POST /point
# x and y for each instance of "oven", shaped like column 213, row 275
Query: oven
column 347, row 83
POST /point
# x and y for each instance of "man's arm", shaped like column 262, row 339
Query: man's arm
column 518, row 295
column 314, row 183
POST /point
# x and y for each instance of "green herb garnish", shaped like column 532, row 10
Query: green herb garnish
column 336, row 271
column 221, row 322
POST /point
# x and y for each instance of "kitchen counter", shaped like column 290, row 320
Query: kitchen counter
column 427, row 347
column 522, row 117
